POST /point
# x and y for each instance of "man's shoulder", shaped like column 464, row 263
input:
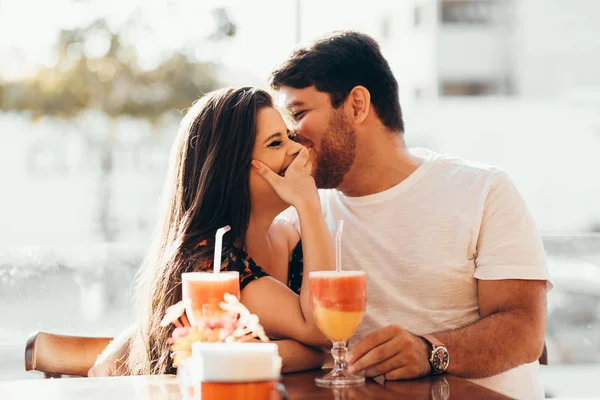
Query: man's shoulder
column 325, row 194
column 462, row 178
column 457, row 169
column 465, row 165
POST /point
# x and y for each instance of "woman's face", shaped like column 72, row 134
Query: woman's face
column 276, row 150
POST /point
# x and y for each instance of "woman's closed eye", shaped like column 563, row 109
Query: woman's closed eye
column 275, row 143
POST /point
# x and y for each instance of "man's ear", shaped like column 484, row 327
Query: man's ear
column 359, row 101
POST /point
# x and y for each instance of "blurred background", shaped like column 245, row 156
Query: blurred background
column 91, row 93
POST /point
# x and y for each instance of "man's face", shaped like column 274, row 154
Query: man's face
column 323, row 129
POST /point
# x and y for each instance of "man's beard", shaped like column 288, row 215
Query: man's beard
column 336, row 153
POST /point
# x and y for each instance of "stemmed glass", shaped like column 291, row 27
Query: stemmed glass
column 338, row 300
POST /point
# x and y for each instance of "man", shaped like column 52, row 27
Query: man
column 455, row 267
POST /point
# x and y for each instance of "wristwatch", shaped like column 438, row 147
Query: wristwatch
column 440, row 358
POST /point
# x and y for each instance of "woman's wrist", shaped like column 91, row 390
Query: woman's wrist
column 305, row 206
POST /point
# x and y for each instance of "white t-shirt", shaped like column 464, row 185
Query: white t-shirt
column 425, row 242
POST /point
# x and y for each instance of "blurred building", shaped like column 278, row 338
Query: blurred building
column 529, row 48
column 532, row 48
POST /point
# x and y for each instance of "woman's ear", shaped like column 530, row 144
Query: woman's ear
column 360, row 103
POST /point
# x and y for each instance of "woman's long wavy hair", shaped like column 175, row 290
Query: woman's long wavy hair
column 207, row 187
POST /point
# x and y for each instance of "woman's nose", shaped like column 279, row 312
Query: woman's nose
column 295, row 148
column 303, row 140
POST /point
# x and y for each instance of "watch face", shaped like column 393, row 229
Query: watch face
column 440, row 359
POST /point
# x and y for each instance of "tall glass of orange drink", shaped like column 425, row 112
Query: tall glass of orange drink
column 338, row 301
column 203, row 291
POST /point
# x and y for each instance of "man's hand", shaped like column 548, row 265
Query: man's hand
column 391, row 352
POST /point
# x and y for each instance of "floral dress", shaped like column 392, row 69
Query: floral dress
column 237, row 260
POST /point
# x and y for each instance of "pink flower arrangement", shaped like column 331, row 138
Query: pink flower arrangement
column 235, row 324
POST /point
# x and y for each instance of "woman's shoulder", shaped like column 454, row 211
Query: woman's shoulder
column 283, row 235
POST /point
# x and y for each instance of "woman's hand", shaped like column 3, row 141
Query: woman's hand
column 112, row 361
column 115, row 368
column 111, row 364
column 297, row 187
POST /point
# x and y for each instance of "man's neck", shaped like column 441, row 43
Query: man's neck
column 381, row 163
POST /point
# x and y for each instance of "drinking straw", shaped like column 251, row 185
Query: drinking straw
column 338, row 246
column 218, row 248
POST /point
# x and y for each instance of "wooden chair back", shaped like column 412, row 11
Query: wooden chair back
column 544, row 357
column 57, row 355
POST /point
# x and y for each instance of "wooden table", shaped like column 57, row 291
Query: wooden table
column 299, row 386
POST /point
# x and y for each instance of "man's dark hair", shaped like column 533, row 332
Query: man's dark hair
column 338, row 62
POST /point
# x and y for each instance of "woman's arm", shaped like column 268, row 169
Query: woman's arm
column 112, row 360
column 281, row 312
column 317, row 249
column 295, row 356
column 299, row 357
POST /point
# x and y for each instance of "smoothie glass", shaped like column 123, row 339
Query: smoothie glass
column 338, row 300
column 203, row 291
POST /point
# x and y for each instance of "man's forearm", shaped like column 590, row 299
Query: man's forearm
column 299, row 357
column 492, row 345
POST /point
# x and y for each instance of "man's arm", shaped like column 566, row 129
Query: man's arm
column 512, row 279
column 510, row 333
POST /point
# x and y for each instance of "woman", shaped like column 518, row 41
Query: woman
column 233, row 163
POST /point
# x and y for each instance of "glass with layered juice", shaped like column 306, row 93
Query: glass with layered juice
column 338, row 300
